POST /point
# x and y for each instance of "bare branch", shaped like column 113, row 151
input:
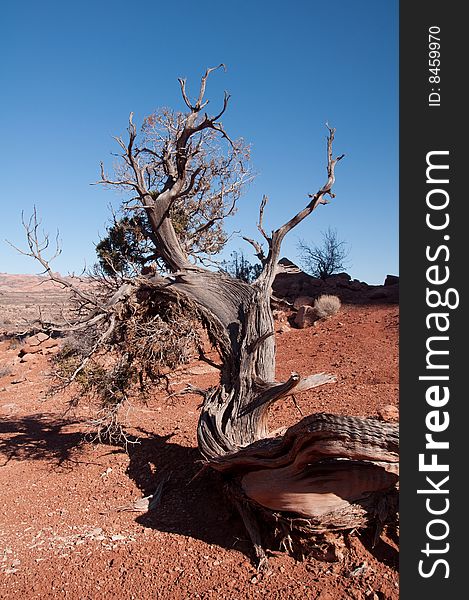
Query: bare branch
column 203, row 83
column 271, row 393
column 278, row 235
column 213, row 220
column 257, row 247
column 226, row 99
column 312, row 381
column 294, row 385
column 36, row 248
column 192, row 180
column 178, row 172
column 182, row 83
column 106, row 335
column 219, row 128
column 318, row 197
column 106, row 181
column 197, row 107
column 261, row 218
column 121, row 142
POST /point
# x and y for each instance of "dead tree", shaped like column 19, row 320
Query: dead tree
column 325, row 473
column 325, row 259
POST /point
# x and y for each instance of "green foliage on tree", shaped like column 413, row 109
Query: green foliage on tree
column 127, row 247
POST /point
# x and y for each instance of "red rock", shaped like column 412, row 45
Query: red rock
column 52, row 350
column 39, row 343
column 28, row 358
column 305, row 317
column 389, row 413
column 35, row 340
column 49, row 343
column 29, row 350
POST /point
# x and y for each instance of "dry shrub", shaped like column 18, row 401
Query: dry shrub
column 326, row 305
column 4, row 370
column 149, row 341
column 13, row 344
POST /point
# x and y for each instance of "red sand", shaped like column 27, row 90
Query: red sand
column 63, row 533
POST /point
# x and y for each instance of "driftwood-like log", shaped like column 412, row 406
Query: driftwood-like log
column 335, row 472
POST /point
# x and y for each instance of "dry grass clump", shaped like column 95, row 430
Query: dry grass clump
column 4, row 370
column 326, row 305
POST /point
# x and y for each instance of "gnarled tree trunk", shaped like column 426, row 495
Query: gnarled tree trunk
column 326, row 472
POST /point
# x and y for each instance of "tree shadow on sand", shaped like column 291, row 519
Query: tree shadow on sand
column 192, row 501
column 381, row 549
column 39, row 437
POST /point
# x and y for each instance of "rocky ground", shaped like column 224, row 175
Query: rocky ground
column 72, row 526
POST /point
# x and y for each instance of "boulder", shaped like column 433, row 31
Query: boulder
column 284, row 328
column 50, row 343
column 356, row 285
column 52, row 350
column 343, row 283
column 378, row 294
column 388, row 293
column 35, row 340
column 28, row 358
column 389, row 413
column 27, row 349
column 305, row 317
column 291, row 285
column 341, row 276
column 39, row 343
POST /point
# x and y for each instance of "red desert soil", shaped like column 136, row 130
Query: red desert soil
column 64, row 532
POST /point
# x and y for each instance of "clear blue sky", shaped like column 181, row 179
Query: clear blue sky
column 72, row 72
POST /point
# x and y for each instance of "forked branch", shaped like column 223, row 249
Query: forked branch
column 273, row 392
column 176, row 170
column 318, row 197
column 37, row 245
column 275, row 241
column 199, row 103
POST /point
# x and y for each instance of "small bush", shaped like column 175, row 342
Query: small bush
column 4, row 371
column 13, row 344
column 326, row 306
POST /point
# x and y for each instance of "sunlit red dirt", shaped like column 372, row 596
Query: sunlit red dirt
column 64, row 528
